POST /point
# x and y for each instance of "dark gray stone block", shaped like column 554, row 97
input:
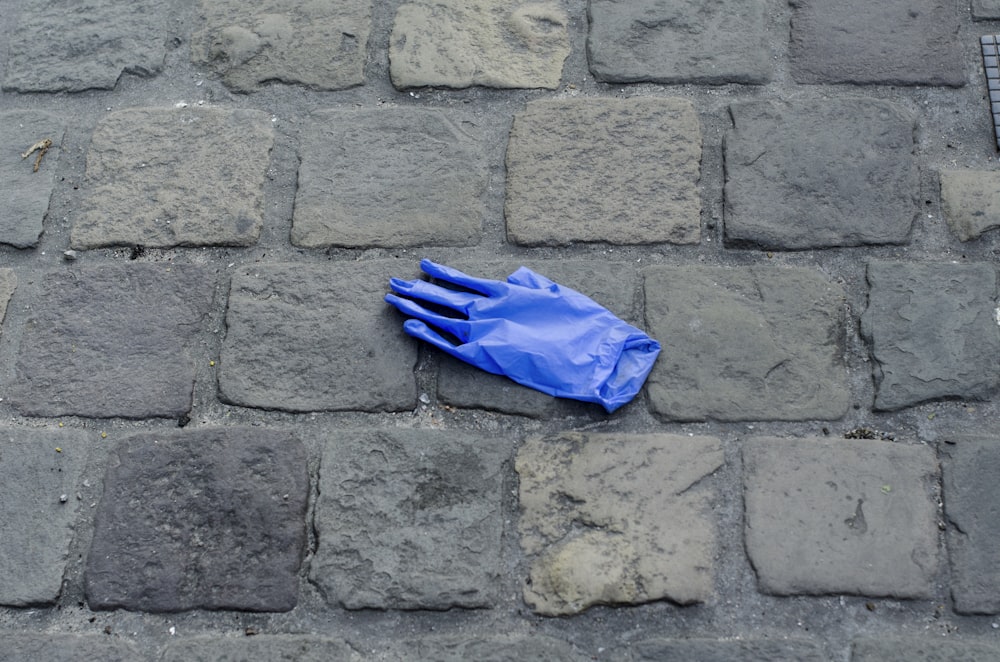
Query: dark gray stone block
column 970, row 466
column 175, row 177
column 819, row 174
column 398, row 177
column 276, row 648
column 985, row 10
column 410, row 519
column 622, row 171
column 318, row 44
column 715, row 42
column 37, row 511
column 97, row 337
column 743, row 650
column 24, row 190
column 841, row 516
column 316, row 338
column 932, row 330
column 923, row 649
column 462, row 385
column 62, row 647
column 209, row 518
column 891, row 42
column 746, row 344
column 68, row 45
column 510, row 648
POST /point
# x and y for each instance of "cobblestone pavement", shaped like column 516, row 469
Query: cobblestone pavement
column 217, row 443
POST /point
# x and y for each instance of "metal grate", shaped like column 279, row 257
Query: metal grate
column 989, row 44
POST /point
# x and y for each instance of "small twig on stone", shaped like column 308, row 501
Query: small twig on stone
column 41, row 147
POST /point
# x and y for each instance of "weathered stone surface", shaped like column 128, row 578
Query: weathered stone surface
column 460, row 43
column 984, row 10
column 757, row 343
column 923, row 649
column 36, row 526
column 744, row 650
column 613, row 285
column 970, row 466
column 970, row 200
column 398, row 177
column 889, row 42
column 68, row 45
column 818, row 174
column 311, row 338
column 592, row 520
column 319, row 44
column 624, row 171
column 290, row 648
column 24, row 190
column 841, row 516
column 175, row 177
column 8, row 283
column 112, row 341
column 721, row 41
column 62, row 647
column 409, row 519
column 212, row 518
column 932, row 331
column 511, row 648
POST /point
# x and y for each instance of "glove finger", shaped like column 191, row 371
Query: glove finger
column 421, row 331
column 421, row 289
column 456, row 327
column 456, row 277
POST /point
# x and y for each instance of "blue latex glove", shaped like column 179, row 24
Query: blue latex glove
column 538, row 333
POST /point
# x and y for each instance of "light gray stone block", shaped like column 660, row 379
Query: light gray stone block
column 410, row 519
column 970, row 200
column 933, row 331
column 64, row 647
column 39, row 472
column 277, row 648
column 391, row 177
column 841, row 516
column 163, row 177
column 24, row 190
column 318, row 44
column 817, row 174
column 746, row 344
column 460, row 43
column 714, row 42
column 317, row 338
column 744, row 650
column 592, row 523
column 623, row 171
column 985, row 10
column 8, row 283
column 923, row 649
column 510, row 648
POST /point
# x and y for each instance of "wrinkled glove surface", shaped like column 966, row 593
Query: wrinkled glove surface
column 538, row 333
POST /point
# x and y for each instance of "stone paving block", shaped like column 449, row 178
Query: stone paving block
column 69, row 45
column 613, row 285
column 409, row 519
column 96, row 335
column 318, row 44
column 923, row 649
column 592, row 522
column 984, row 10
column 276, row 648
column 970, row 466
column 891, row 42
column 165, row 177
column 36, row 524
column 932, row 331
column 8, row 283
column 746, row 344
column 743, row 650
column 841, row 516
column 722, row 41
column 63, row 647
column 317, row 338
column 391, row 177
column 210, row 518
column 461, row 43
column 24, row 190
column 624, row 171
column 808, row 174
column 509, row 648
column 970, row 200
